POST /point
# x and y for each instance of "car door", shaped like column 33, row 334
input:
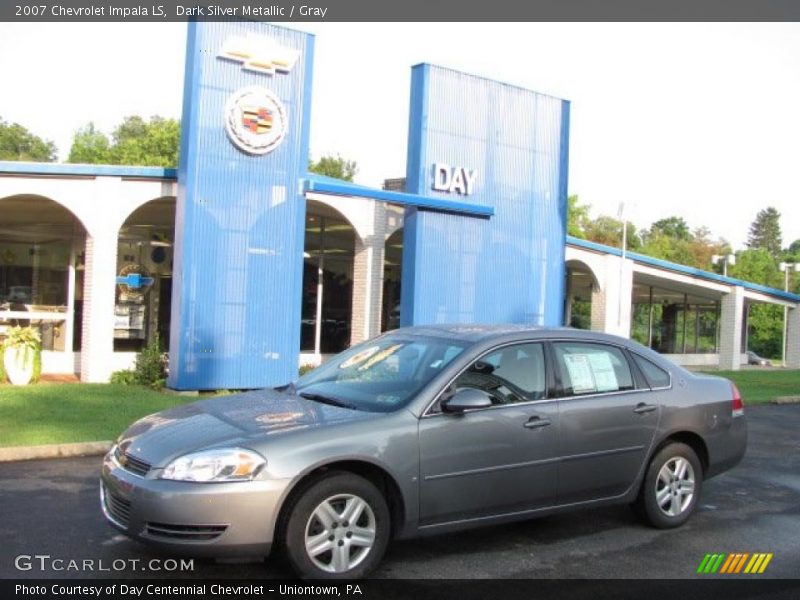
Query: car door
column 607, row 421
column 494, row 460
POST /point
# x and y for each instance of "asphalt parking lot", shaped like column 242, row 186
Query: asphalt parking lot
column 51, row 508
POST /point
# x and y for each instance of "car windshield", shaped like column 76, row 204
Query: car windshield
column 381, row 375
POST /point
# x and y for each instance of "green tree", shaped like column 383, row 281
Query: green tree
column 671, row 239
column 577, row 217
column 757, row 265
column 764, row 321
column 661, row 245
column 765, row 231
column 793, row 251
column 152, row 143
column 90, row 146
column 149, row 143
column 608, row 230
column 765, row 330
column 334, row 166
column 702, row 248
column 673, row 227
column 17, row 143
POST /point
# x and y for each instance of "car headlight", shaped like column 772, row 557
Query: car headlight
column 222, row 464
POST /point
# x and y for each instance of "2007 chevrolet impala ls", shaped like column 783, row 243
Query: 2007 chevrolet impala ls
column 424, row 430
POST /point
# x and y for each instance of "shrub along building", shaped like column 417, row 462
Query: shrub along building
column 246, row 265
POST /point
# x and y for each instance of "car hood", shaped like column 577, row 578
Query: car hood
column 238, row 419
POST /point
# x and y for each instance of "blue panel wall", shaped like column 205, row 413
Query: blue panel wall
column 240, row 222
column 508, row 268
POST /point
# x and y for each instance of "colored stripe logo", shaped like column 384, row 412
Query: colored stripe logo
column 735, row 563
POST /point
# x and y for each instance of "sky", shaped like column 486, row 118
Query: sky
column 699, row 121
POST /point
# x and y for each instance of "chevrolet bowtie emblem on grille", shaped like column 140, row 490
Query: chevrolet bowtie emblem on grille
column 259, row 54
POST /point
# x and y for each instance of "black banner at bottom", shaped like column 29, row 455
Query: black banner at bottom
column 416, row 589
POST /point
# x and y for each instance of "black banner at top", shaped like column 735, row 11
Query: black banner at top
column 394, row 10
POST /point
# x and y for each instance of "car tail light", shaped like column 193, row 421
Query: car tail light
column 738, row 405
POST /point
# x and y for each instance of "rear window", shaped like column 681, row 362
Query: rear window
column 655, row 375
column 588, row 368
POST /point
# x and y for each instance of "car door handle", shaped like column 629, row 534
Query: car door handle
column 643, row 408
column 536, row 422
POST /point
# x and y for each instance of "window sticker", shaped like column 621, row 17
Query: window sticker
column 605, row 377
column 580, row 373
column 360, row 357
column 380, row 356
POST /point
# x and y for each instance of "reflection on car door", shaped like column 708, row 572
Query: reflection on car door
column 607, row 426
column 496, row 460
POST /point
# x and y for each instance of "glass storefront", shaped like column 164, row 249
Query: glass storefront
column 392, row 271
column 327, row 281
column 143, row 292
column 578, row 302
column 41, row 248
column 674, row 323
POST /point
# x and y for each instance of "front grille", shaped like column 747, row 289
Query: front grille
column 130, row 463
column 185, row 532
column 118, row 508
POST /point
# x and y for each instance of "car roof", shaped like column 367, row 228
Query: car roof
column 478, row 332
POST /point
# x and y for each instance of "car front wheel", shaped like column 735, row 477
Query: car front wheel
column 338, row 528
column 671, row 487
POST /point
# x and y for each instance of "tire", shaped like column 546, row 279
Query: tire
column 320, row 539
column 671, row 487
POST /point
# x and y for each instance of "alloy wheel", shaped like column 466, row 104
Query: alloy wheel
column 675, row 486
column 340, row 533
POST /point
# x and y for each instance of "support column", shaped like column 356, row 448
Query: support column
column 607, row 313
column 98, row 307
column 568, row 300
column 69, row 325
column 731, row 318
column 793, row 338
column 598, row 311
column 368, row 277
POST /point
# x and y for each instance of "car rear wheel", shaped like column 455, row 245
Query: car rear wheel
column 671, row 487
column 338, row 528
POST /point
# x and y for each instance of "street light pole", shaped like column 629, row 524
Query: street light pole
column 624, row 219
column 786, row 267
column 727, row 259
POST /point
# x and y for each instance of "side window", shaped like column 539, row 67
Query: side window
column 511, row 374
column 591, row 368
column 655, row 375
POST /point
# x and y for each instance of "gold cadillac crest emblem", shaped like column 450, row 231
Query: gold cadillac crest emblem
column 255, row 120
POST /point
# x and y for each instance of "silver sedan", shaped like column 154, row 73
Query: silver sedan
column 420, row 431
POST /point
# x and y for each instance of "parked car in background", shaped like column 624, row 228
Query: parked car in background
column 755, row 359
column 425, row 430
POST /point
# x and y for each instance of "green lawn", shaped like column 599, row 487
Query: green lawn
column 62, row 413
column 759, row 386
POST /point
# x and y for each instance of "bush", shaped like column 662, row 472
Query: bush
column 149, row 369
column 23, row 337
column 126, row 377
column 305, row 369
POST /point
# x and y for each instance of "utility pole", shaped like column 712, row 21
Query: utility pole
column 727, row 259
column 624, row 219
column 786, row 267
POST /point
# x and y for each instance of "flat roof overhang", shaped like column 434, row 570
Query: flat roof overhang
column 337, row 187
column 656, row 268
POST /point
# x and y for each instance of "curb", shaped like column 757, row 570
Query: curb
column 53, row 451
column 786, row 400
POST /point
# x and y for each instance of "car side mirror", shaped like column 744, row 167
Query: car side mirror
column 466, row 399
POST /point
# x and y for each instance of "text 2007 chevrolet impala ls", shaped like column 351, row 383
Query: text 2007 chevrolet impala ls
column 424, row 430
